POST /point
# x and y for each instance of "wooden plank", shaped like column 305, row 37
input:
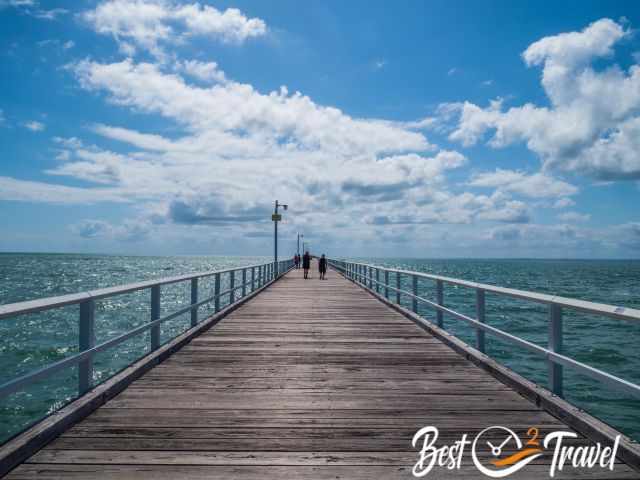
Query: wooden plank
column 154, row 457
column 260, row 472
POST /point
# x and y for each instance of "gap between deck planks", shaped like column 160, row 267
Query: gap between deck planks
column 311, row 379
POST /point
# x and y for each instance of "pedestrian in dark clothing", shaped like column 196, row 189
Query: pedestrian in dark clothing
column 296, row 260
column 306, row 264
column 322, row 266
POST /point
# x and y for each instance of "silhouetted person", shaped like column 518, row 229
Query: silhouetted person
column 296, row 260
column 322, row 266
column 306, row 264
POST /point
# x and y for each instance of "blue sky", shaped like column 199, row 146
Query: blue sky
column 430, row 129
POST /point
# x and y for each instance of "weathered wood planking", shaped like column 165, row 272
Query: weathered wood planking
column 310, row 380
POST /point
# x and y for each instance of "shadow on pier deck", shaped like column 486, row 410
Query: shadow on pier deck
column 309, row 379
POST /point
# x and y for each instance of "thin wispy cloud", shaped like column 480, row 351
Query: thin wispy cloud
column 34, row 126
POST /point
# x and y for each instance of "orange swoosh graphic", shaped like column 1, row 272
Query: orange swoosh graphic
column 510, row 460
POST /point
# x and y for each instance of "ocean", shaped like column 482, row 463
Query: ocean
column 35, row 340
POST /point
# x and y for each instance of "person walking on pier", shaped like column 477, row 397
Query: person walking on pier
column 322, row 266
column 306, row 263
column 296, row 261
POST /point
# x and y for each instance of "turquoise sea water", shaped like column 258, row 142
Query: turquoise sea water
column 35, row 340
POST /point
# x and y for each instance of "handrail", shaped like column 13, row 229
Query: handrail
column 32, row 306
column 362, row 274
column 261, row 274
column 612, row 311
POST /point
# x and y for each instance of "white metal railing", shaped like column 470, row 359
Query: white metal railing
column 259, row 275
column 369, row 276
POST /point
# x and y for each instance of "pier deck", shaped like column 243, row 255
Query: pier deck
column 309, row 380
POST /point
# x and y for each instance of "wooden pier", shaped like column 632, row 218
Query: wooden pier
column 309, row 379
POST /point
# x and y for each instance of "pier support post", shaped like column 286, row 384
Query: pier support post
column 439, row 301
column 253, row 278
column 480, row 316
column 232, row 284
column 86, row 341
column 398, row 288
column 414, row 302
column 244, row 282
column 216, row 292
column 555, row 345
column 377, row 280
column 194, row 300
column 155, row 315
column 386, row 284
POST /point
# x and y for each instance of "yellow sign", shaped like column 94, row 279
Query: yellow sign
column 276, row 217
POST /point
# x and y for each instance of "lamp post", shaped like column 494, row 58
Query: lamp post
column 299, row 237
column 276, row 218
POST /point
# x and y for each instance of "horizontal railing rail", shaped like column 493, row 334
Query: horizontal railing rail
column 259, row 275
column 369, row 276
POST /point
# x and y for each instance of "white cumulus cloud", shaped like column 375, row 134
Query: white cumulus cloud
column 536, row 185
column 590, row 126
column 154, row 24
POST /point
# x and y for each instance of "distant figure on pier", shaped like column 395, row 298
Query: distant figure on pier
column 306, row 264
column 296, row 260
column 322, row 266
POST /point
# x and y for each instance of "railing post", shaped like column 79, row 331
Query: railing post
column 414, row 303
column 439, row 301
column 555, row 345
column 194, row 300
column 86, row 341
column 398, row 288
column 155, row 315
column 232, row 284
column 386, row 284
column 216, row 292
column 377, row 280
column 370, row 275
column 480, row 316
column 244, row 282
column 253, row 278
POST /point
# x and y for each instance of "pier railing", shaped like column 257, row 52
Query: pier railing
column 388, row 283
column 251, row 278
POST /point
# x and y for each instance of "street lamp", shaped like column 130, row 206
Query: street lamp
column 299, row 237
column 276, row 217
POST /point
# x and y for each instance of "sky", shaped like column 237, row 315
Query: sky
column 405, row 129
